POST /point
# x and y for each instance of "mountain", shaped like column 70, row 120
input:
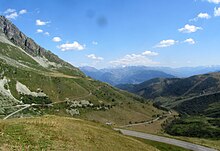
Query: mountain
column 126, row 75
column 35, row 82
column 190, row 71
column 176, row 87
column 196, row 98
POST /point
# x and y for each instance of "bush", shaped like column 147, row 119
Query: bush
column 190, row 128
column 29, row 99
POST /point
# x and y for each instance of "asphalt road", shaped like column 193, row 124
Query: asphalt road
column 166, row 140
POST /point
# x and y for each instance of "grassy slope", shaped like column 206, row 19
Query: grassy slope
column 58, row 86
column 59, row 133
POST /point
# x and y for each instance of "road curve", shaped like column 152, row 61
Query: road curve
column 166, row 140
column 25, row 107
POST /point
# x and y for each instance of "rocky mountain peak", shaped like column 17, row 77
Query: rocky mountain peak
column 27, row 44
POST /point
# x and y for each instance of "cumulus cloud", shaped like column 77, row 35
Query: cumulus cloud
column 201, row 16
column 94, row 57
column 214, row 1
column 9, row 10
column 41, row 23
column 189, row 41
column 56, row 39
column 71, row 46
column 94, row 42
column 189, row 29
column 150, row 53
column 135, row 60
column 23, row 11
column 216, row 12
column 166, row 43
column 204, row 15
column 12, row 13
column 47, row 33
column 40, row 31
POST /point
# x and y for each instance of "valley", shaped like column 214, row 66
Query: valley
column 126, row 98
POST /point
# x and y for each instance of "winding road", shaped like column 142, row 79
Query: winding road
column 142, row 123
column 166, row 140
column 25, row 106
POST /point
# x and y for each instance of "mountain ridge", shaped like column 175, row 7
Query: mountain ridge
column 18, row 38
column 132, row 75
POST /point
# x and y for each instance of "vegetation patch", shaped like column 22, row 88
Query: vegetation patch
column 29, row 99
column 200, row 127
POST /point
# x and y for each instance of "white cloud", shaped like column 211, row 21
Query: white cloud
column 201, row 16
column 214, row 1
column 133, row 60
column 9, row 10
column 71, row 46
column 217, row 12
column 94, row 42
column 47, row 33
column 13, row 15
column 56, row 39
column 189, row 41
column 189, row 29
column 166, row 43
column 40, row 31
column 150, row 53
column 41, row 23
column 204, row 15
column 23, row 11
column 94, row 57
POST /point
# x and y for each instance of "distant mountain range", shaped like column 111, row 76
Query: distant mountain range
column 139, row 74
column 131, row 75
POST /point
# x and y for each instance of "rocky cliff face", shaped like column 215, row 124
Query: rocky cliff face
column 26, row 43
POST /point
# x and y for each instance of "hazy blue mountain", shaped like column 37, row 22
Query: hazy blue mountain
column 126, row 75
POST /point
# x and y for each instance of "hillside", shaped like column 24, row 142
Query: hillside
column 196, row 98
column 177, row 87
column 126, row 75
column 60, row 133
column 36, row 82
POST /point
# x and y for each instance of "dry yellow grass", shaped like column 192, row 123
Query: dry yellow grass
column 123, row 114
column 154, row 127
column 62, row 133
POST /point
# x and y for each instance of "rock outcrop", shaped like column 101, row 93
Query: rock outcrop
column 20, row 39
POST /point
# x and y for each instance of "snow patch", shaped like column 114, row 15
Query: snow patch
column 23, row 89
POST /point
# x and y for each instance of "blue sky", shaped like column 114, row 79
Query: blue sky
column 109, row 33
